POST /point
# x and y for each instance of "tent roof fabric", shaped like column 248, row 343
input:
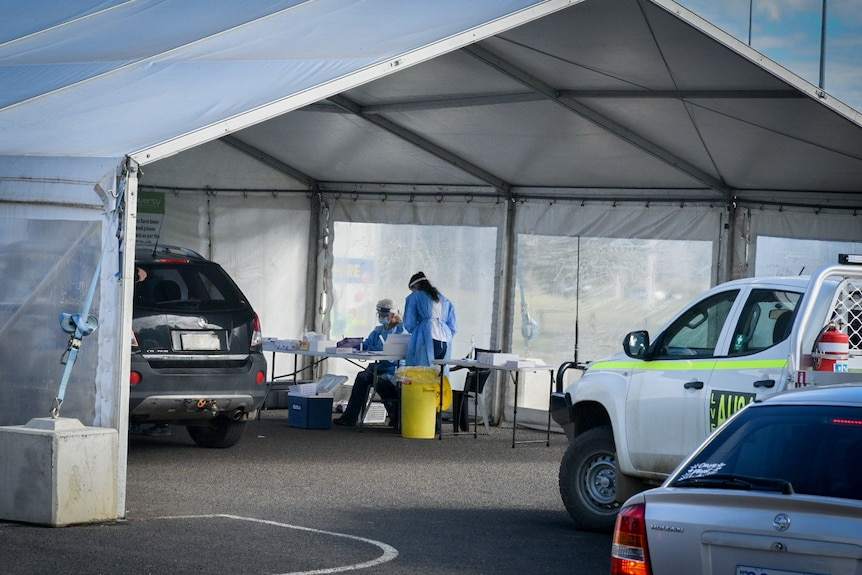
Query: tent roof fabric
column 144, row 82
column 620, row 99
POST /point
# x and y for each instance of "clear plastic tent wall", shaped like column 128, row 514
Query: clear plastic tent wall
column 46, row 266
column 53, row 231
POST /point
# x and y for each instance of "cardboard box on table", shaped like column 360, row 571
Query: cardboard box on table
column 396, row 344
column 493, row 358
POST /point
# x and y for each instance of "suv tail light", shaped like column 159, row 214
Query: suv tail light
column 256, row 337
column 629, row 554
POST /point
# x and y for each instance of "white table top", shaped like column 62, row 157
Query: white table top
column 272, row 345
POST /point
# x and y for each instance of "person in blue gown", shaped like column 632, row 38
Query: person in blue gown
column 430, row 317
column 389, row 322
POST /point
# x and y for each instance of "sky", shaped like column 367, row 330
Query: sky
column 788, row 32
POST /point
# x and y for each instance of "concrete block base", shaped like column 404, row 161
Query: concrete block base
column 58, row 472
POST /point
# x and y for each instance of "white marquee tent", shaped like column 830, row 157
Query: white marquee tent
column 267, row 124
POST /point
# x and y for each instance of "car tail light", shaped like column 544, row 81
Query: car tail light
column 134, row 378
column 629, row 555
column 256, row 337
column 261, row 377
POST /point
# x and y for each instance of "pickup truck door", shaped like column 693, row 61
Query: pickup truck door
column 754, row 363
column 668, row 391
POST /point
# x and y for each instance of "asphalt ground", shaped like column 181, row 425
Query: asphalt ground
column 289, row 500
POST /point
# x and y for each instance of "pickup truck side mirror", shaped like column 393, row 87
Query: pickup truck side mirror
column 636, row 344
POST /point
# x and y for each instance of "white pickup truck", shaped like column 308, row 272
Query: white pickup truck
column 633, row 417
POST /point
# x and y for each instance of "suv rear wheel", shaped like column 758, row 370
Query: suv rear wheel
column 220, row 433
column 588, row 480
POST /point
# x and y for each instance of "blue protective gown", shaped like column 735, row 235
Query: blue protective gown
column 417, row 320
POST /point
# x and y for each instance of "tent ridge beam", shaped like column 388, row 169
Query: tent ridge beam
column 268, row 160
column 491, row 99
column 454, row 102
column 598, row 119
column 518, row 97
column 685, row 94
column 420, row 142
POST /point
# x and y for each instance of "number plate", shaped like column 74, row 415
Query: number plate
column 747, row 570
column 203, row 341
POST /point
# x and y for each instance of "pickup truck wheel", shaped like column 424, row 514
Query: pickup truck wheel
column 218, row 434
column 588, row 480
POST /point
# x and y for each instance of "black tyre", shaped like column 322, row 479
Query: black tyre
column 219, row 434
column 588, row 480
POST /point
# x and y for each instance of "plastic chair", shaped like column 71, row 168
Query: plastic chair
column 474, row 386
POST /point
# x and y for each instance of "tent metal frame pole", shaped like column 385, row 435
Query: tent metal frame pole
column 121, row 351
column 453, row 102
column 506, row 326
column 268, row 160
column 312, row 272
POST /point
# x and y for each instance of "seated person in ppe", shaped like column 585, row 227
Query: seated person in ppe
column 389, row 322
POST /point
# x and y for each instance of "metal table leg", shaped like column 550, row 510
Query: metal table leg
column 547, row 440
column 515, row 408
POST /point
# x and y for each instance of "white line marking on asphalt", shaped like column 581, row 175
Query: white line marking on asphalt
column 389, row 552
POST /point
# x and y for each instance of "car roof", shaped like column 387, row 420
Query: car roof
column 839, row 394
column 799, row 282
column 160, row 252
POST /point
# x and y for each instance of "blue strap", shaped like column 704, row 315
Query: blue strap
column 82, row 324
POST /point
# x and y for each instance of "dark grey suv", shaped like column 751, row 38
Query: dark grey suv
column 196, row 348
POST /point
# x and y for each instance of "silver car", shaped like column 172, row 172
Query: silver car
column 777, row 490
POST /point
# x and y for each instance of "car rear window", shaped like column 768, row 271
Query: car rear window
column 818, row 449
column 183, row 287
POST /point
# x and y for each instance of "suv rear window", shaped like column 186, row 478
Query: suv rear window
column 818, row 449
column 187, row 286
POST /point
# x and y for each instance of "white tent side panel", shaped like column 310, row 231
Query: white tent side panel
column 261, row 240
column 629, row 220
